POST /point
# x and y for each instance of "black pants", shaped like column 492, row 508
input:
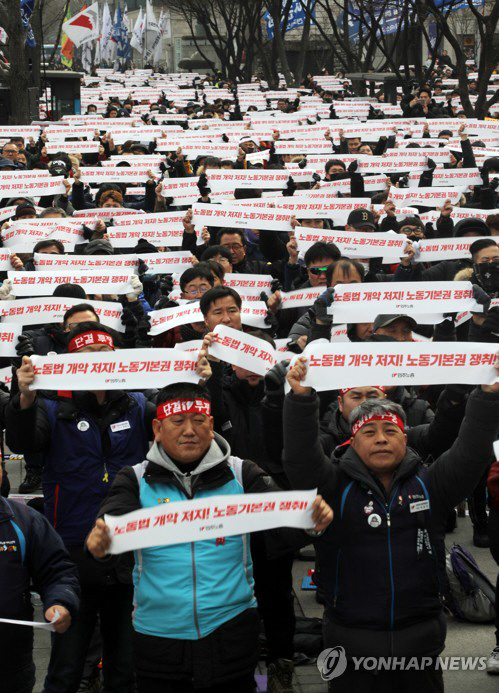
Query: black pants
column 245, row 684
column 274, row 594
column 411, row 681
column 477, row 503
column 20, row 681
column 494, row 550
column 67, row 660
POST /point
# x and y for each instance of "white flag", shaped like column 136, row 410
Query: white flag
column 164, row 33
column 151, row 31
column 107, row 29
column 86, row 57
column 138, row 30
column 84, row 26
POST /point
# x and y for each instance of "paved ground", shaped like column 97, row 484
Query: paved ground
column 463, row 640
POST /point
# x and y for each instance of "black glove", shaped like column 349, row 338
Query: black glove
column 143, row 327
column 353, row 166
column 490, row 324
column 321, row 305
column 302, row 163
column 275, row 380
column 225, row 138
column 166, row 285
column 203, row 185
column 128, row 319
column 290, row 188
column 142, row 268
column 24, row 346
column 431, row 164
column 275, row 285
column 494, row 183
column 481, row 297
column 164, row 302
column 315, row 177
column 272, row 322
column 403, row 182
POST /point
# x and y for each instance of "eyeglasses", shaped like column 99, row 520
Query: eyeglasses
column 318, row 270
column 232, row 246
column 198, row 291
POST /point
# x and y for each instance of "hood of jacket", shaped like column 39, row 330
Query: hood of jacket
column 217, row 453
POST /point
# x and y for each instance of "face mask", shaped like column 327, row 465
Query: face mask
column 487, row 274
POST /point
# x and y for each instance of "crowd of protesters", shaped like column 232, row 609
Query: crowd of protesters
column 396, row 467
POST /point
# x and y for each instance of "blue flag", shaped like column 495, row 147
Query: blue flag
column 27, row 7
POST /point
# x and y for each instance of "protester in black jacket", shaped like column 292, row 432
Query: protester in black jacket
column 378, row 559
column 32, row 552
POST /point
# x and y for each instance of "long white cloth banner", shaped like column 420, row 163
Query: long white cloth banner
column 496, row 450
column 444, row 249
column 301, row 298
column 128, row 237
column 353, row 243
column 126, row 369
column 91, row 147
column 256, row 178
column 360, row 303
column 166, row 263
column 5, row 265
column 458, row 177
column 93, row 215
column 121, row 174
column 228, row 216
column 240, row 349
column 206, row 519
column 43, row 283
column 334, row 366
column 41, row 311
column 252, row 313
column 35, row 187
column 429, row 197
column 48, row 262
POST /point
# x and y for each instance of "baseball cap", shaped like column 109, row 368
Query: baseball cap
column 24, row 209
column 385, row 320
column 361, row 217
column 99, row 247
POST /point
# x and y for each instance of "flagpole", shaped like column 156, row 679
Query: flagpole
column 145, row 38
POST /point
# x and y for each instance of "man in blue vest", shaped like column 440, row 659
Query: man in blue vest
column 195, row 618
column 86, row 438
column 31, row 552
column 379, row 559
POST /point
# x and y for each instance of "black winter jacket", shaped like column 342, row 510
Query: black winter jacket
column 377, row 559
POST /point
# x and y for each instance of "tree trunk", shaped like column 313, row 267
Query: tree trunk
column 303, row 47
column 19, row 71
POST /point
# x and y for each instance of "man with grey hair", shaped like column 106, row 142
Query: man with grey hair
column 379, row 557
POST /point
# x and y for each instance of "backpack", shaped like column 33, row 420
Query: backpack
column 471, row 595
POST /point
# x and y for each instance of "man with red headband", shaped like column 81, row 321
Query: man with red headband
column 195, row 619
column 379, row 558
column 85, row 439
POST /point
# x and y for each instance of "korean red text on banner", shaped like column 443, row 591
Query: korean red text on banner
column 227, row 216
column 43, row 283
column 209, row 518
column 9, row 334
column 240, row 349
column 355, row 244
column 334, row 366
column 125, row 369
column 41, row 311
column 48, row 262
column 444, row 249
column 32, row 186
column 300, row 298
column 165, row 263
column 362, row 302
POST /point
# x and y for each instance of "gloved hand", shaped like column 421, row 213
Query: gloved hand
column 128, row 319
column 203, row 185
column 143, row 327
column 290, row 188
column 137, row 288
column 275, row 285
column 302, row 163
column 494, row 183
column 271, row 321
column 353, row 166
column 142, row 268
column 164, row 302
column 274, row 382
column 321, row 305
column 491, row 322
column 431, row 164
column 166, row 285
column 481, row 297
column 24, row 346
column 6, row 291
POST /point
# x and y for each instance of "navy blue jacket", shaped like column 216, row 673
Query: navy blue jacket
column 379, row 557
column 30, row 551
column 84, row 447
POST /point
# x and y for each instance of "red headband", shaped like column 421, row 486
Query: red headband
column 90, row 337
column 344, row 390
column 392, row 418
column 183, row 406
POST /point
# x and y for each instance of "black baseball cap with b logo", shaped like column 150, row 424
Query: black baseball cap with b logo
column 360, row 218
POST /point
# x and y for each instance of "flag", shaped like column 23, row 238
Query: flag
column 151, row 30
column 27, row 7
column 67, row 46
column 138, row 31
column 107, row 28
column 84, row 26
column 86, row 57
column 164, row 33
column 123, row 43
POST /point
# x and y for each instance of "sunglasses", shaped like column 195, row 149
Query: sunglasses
column 319, row 270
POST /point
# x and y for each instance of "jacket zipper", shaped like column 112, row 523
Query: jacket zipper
column 387, row 508
column 194, row 595
column 56, row 503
